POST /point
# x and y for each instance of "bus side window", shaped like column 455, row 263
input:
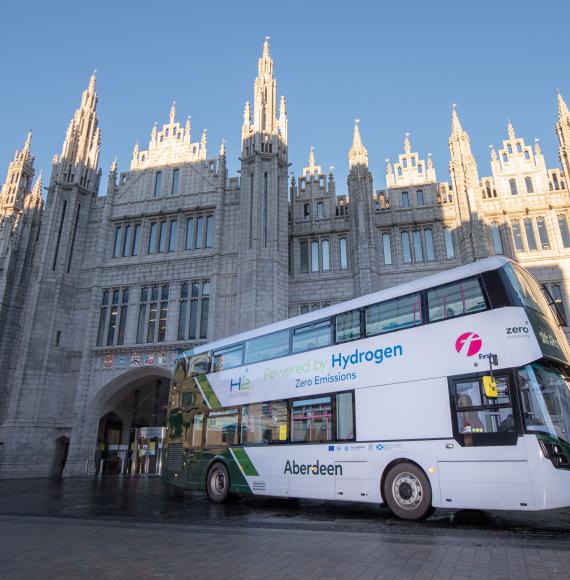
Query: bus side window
column 393, row 315
column 264, row 423
column 344, row 416
column 347, row 326
column 312, row 336
column 197, row 431
column 221, row 429
column 455, row 299
column 228, row 358
column 477, row 414
column 311, row 420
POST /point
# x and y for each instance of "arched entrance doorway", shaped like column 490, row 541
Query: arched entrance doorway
column 131, row 425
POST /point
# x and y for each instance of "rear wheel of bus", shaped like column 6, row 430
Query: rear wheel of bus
column 407, row 492
column 218, row 483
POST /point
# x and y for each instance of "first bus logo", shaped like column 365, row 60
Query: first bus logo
column 469, row 344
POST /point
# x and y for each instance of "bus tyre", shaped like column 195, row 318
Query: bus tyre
column 218, row 483
column 407, row 492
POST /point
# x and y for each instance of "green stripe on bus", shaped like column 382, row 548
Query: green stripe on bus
column 209, row 394
column 244, row 461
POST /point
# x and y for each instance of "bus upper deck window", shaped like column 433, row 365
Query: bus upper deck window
column 268, row 346
column 464, row 297
column 312, row 336
column 228, row 358
column 347, row 326
column 394, row 315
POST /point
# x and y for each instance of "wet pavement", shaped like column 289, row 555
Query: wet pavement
column 63, row 520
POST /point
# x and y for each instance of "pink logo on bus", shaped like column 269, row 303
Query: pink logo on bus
column 469, row 343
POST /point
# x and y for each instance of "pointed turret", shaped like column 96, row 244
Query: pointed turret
column 312, row 157
column 93, row 82
column 112, row 183
column 358, row 154
column 563, row 132
column 223, row 148
column 173, row 112
column 511, row 130
column 19, row 178
column 465, row 179
column 79, row 159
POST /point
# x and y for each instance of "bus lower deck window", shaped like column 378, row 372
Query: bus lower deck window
column 312, row 420
column 264, row 423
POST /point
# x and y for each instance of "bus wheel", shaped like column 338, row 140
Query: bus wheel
column 407, row 492
column 218, row 483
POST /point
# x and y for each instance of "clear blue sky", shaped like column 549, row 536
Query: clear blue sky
column 398, row 66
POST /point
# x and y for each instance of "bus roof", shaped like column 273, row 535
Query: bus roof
column 417, row 285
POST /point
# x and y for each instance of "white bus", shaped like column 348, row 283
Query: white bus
column 449, row 391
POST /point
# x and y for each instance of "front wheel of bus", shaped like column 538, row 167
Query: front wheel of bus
column 407, row 492
column 218, row 483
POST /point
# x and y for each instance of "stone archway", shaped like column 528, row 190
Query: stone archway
column 135, row 399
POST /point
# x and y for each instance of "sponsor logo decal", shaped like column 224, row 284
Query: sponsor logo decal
column 517, row 331
column 317, row 468
column 468, row 343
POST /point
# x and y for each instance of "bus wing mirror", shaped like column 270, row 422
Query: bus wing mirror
column 490, row 387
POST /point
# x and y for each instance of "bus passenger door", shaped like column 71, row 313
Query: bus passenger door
column 485, row 468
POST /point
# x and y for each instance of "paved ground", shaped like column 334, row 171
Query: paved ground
column 116, row 528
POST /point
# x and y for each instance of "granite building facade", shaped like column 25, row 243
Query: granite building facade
column 99, row 291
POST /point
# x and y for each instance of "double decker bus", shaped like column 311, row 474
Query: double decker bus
column 449, row 391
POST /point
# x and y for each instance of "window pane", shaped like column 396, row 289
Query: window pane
column 197, row 430
column 418, row 253
column 127, row 241
column 406, row 250
column 117, row 245
column 264, row 423
column 182, row 319
column 420, row 197
column 320, row 209
column 136, row 240
column 209, row 231
column 556, row 293
column 151, row 322
column 304, row 257
column 497, row 242
column 314, row 256
column 189, row 233
column 199, row 231
column 311, row 420
column 267, row 347
column 344, row 416
column 543, row 233
column 343, row 255
column 387, row 247
column 221, row 428
column 405, row 199
column 312, row 336
column 513, row 186
column 101, row 332
column 152, row 238
column 563, row 225
column 175, row 177
column 529, row 185
column 517, row 236
column 172, row 237
column 162, row 239
column 162, row 317
column 157, row 182
column 428, row 237
column 455, row 299
column 347, row 325
column 450, row 252
column 141, row 323
column 394, row 315
column 228, row 358
column 204, row 318
column 325, row 247
column 122, row 324
column 530, row 237
column 193, row 318
column 112, row 325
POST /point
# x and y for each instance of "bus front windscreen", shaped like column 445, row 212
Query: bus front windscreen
column 545, row 399
column 530, row 296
